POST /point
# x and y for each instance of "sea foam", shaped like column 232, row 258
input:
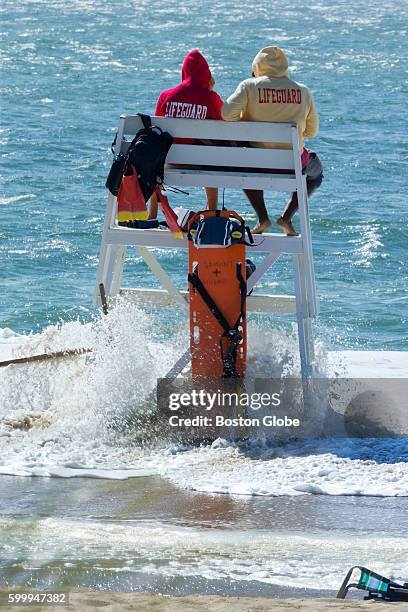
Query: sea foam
column 65, row 418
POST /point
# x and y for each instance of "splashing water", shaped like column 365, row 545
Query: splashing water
column 77, row 412
column 76, row 401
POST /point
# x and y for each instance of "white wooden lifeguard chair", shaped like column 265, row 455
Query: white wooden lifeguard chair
column 225, row 167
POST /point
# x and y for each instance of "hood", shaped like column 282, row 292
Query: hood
column 195, row 68
column 271, row 62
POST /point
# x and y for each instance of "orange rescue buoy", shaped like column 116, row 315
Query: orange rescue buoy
column 217, row 290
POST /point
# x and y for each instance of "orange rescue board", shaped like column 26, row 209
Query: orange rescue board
column 217, row 270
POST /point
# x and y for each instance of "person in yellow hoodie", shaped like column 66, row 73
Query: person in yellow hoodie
column 270, row 95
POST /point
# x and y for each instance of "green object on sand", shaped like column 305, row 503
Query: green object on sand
column 378, row 586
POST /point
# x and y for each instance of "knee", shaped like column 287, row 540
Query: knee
column 255, row 196
column 319, row 180
column 253, row 192
column 313, row 184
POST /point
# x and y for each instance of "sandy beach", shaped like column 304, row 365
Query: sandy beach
column 113, row 602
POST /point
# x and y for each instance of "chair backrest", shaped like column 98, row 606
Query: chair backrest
column 219, row 153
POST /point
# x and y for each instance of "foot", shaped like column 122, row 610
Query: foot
column 287, row 227
column 261, row 227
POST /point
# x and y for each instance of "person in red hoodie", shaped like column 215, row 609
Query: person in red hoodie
column 193, row 98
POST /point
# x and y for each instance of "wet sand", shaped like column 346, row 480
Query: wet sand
column 115, row 602
column 105, row 537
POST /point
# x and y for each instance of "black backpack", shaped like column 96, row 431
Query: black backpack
column 147, row 153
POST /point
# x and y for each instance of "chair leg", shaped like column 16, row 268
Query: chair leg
column 304, row 321
column 118, row 269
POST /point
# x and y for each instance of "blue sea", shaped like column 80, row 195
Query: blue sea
column 109, row 508
column 70, row 69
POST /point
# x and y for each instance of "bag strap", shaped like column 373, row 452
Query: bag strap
column 113, row 144
column 218, row 213
column 195, row 281
column 231, row 333
column 146, row 120
column 147, row 123
column 243, row 292
column 234, row 336
column 250, row 237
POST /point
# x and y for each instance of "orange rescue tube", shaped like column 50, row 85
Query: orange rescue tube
column 221, row 271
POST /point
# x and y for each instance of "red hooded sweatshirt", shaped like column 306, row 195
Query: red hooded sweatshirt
column 191, row 99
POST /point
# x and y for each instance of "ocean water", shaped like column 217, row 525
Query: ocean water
column 253, row 517
column 70, row 69
column 89, row 498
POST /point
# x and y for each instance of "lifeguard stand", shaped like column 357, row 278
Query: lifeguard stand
column 238, row 167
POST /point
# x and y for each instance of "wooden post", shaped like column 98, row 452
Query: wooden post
column 103, row 298
column 46, row 356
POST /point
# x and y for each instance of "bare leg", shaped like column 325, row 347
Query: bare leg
column 292, row 205
column 153, row 207
column 256, row 198
column 212, row 197
column 285, row 221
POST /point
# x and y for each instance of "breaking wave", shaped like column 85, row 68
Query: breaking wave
column 76, row 417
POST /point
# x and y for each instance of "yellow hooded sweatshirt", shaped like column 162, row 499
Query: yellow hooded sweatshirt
column 271, row 96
